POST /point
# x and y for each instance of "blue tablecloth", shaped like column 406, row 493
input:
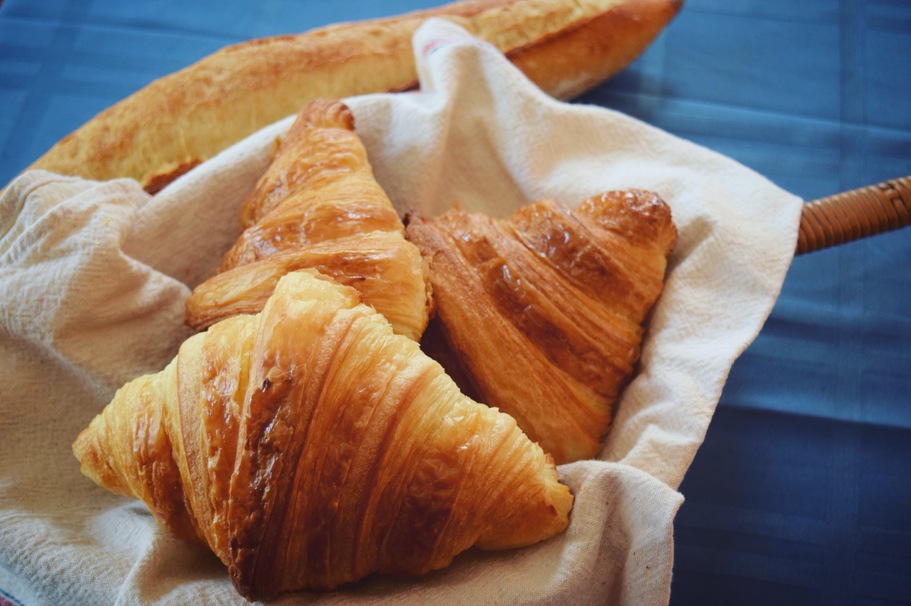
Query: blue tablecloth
column 801, row 491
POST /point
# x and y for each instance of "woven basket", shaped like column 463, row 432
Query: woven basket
column 854, row 214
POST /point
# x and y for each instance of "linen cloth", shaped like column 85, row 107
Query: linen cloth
column 94, row 277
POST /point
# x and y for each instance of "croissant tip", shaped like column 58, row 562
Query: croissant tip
column 325, row 113
column 82, row 449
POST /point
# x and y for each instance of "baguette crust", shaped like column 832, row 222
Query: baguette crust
column 180, row 120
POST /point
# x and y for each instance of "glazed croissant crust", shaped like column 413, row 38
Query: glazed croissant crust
column 319, row 206
column 541, row 313
column 309, row 446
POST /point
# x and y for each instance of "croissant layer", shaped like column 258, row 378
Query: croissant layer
column 542, row 312
column 319, row 206
column 309, row 446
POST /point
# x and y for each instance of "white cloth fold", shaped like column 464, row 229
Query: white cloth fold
column 93, row 278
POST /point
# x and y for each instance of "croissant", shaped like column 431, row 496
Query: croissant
column 542, row 312
column 319, row 206
column 309, row 446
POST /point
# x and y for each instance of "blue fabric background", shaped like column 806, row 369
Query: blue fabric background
column 801, row 492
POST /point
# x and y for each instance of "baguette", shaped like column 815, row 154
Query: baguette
column 180, row 120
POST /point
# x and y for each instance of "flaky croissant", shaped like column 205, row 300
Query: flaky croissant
column 319, row 206
column 542, row 312
column 310, row 446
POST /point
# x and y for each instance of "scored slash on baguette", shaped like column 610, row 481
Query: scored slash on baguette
column 180, row 120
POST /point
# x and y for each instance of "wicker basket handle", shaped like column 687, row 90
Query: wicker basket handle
column 854, row 214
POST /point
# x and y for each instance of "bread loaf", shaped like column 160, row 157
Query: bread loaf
column 182, row 119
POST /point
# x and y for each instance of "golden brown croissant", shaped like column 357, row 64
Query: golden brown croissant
column 543, row 311
column 310, row 446
column 318, row 205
